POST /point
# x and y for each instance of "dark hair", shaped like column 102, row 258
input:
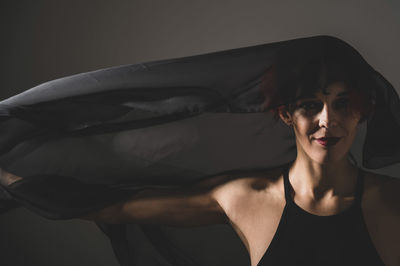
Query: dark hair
column 310, row 65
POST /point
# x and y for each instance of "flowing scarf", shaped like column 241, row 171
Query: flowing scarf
column 86, row 141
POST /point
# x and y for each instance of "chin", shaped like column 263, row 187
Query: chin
column 322, row 155
column 327, row 157
column 327, row 160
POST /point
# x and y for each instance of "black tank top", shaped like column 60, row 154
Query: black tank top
column 306, row 239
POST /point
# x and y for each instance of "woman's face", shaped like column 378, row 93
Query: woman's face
column 321, row 116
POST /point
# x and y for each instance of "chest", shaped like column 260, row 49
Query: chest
column 258, row 220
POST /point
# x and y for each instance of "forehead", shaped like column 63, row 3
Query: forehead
column 336, row 89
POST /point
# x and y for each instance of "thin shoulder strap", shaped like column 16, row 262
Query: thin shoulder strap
column 286, row 183
column 359, row 186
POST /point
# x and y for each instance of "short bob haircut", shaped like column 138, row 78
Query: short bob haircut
column 301, row 69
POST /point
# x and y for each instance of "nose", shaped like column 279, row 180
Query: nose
column 327, row 117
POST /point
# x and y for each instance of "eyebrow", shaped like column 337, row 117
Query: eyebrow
column 310, row 95
column 343, row 93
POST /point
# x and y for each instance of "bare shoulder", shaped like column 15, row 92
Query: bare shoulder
column 245, row 186
column 385, row 190
column 382, row 214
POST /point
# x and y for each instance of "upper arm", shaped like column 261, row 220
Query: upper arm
column 384, row 217
column 210, row 201
column 192, row 205
column 390, row 193
column 179, row 207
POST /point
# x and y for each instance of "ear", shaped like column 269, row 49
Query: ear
column 285, row 116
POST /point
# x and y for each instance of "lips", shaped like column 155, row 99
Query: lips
column 328, row 141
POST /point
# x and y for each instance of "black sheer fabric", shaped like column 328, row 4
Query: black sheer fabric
column 89, row 140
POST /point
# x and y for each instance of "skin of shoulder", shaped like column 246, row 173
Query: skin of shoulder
column 234, row 193
column 387, row 190
column 382, row 210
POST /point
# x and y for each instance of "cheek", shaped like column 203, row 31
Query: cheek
column 349, row 129
column 352, row 119
column 351, row 122
column 303, row 127
column 303, row 130
column 352, row 128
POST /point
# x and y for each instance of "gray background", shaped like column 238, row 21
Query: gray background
column 45, row 40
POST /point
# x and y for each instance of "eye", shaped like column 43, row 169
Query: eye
column 309, row 105
column 342, row 103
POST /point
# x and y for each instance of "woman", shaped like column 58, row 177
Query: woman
column 321, row 196
column 319, row 209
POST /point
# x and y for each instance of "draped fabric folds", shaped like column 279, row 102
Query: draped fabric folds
column 85, row 141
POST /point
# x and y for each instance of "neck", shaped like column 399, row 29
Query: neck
column 316, row 180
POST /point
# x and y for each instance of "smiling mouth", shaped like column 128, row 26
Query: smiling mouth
column 327, row 141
